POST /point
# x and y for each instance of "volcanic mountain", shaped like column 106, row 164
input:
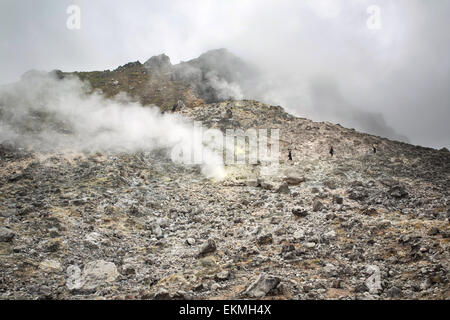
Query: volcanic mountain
column 95, row 223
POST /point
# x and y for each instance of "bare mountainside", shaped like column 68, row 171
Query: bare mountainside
column 158, row 82
column 134, row 225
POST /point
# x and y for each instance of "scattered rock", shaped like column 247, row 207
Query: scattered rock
column 215, row 286
column 299, row 212
column 358, row 194
column 157, row 231
column 294, row 180
column 299, row 235
column 52, row 245
column 317, row 205
column 384, row 224
column 190, row 241
column 223, row 275
column 433, row 231
column 283, row 188
column 50, row 266
column 6, row 235
column 265, row 239
column 370, row 212
column 98, row 272
column 398, row 192
column 129, row 266
column 338, row 200
column 330, row 235
column 394, row 292
column 151, row 218
column 92, row 240
column 309, row 245
column 208, row 247
column 94, row 274
column 262, row 286
column 266, row 185
column 7, row 213
column 162, row 294
column 330, row 184
column 135, row 211
column 253, row 183
column 315, row 190
column 208, row 261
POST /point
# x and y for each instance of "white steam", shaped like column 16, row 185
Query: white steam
column 225, row 90
column 43, row 113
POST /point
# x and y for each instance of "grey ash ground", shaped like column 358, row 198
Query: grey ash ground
column 137, row 226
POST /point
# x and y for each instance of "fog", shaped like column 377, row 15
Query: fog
column 317, row 58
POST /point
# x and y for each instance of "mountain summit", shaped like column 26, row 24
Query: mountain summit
column 209, row 78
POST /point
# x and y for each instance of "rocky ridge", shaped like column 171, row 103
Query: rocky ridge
column 158, row 82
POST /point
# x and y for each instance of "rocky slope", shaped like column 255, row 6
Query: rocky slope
column 137, row 226
column 106, row 225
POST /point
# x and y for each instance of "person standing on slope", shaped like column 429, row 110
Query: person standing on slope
column 331, row 151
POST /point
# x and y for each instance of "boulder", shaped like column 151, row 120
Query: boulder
column 92, row 240
column 370, row 212
column 338, row 200
column 95, row 273
column 299, row 212
column 317, row 205
column 266, row 185
column 283, row 188
column 223, row 275
column 293, row 179
column 265, row 239
column 6, row 235
column 330, row 235
column 394, row 292
column 358, row 194
column 50, row 266
column 330, row 184
column 397, row 192
column 190, row 241
column 252, row 183
column 262, row 286
column 208, row 247
column 98, row 272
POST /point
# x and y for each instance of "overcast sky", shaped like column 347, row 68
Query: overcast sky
column 323, row 59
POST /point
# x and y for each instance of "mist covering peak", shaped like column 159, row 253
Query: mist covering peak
column 159, row 63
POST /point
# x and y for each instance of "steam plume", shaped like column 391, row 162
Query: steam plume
column 44, row 113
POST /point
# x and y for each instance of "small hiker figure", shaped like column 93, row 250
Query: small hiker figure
column 331, row 150
column 374, row 146
column 290, row 155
